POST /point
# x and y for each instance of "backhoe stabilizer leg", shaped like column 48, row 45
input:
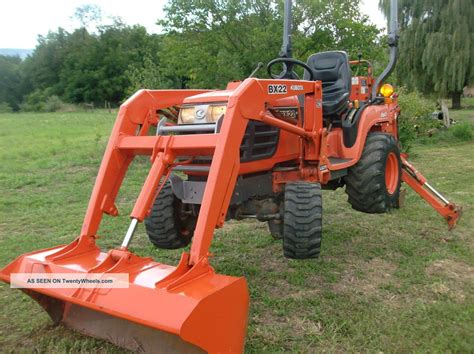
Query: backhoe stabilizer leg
column 449, row 211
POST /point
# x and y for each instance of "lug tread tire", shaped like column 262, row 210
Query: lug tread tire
column 365, row 181
column 162, row 225
column 302, row 228
column 276, row 229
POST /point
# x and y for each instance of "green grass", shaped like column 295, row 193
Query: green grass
column 397, row 282
column 466, row 113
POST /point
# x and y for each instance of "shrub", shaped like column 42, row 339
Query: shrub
column 44, row 101
column 463, row 131
column 5, row 108
column 53, row 104
column 415, row 117
column 34, row 102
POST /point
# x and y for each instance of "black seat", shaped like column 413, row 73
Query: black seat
column 333, row 69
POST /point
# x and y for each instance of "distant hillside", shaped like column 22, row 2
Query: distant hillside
column 22, row 53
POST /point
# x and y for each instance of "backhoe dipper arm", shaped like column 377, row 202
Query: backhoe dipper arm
column 411, row 176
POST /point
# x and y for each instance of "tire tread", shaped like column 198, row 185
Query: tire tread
column 302, row 229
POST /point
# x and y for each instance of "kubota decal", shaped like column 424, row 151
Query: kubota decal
column 286, row 113
column 297, row 87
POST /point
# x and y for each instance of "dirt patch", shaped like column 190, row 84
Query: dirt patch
column 456, row 271
column 306, row 293
column 305, row 326
column 268, row 318
column 279, row 289
column 365, row 277
column 457, row 279
column 267, row 326
column 284, row 330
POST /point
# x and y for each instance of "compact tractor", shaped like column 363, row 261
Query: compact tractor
column 261, row 148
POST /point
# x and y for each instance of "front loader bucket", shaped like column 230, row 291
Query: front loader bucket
column 165, row 309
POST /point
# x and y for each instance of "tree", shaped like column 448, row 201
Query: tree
column 334, row 25
column 436, row 46
column 10, row 81
column 89, row 16
column 42, row 68
column 208, row 43
column 86, row 67
column 205, row 43
column 145, row 75
column 119, row 46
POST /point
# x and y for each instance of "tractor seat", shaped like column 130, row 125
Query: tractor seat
column 333, row 69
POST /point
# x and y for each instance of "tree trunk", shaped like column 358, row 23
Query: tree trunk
column 456, row 96
column 445, row 110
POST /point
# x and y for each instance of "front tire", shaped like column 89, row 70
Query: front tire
column 276, row 229
column 373, row 184
column 171, row 223
column 302, row 225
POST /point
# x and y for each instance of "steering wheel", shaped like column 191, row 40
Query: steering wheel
column 289, row 73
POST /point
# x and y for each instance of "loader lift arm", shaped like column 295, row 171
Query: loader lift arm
column 411, row 176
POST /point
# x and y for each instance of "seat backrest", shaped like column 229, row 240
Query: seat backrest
column 333, row 69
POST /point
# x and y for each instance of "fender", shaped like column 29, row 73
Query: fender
column 373, row 118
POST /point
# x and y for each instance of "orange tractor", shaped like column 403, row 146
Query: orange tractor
column 261, row 148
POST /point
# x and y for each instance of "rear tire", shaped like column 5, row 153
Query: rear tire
column 302, row 224
column 171, row 223
column 373, row 184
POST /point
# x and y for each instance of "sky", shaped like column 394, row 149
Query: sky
column 22, row 20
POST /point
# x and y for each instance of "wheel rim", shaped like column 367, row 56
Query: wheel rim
column 391, row 173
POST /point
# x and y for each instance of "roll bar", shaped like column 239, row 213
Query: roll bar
column 392, row 43
column 286, row 51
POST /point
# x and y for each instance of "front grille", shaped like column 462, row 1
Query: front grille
column 260, row 141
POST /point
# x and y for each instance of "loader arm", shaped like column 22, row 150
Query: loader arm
column 411, row 176
column 134, row 119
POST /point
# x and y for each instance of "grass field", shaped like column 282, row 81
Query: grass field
column 398, row 282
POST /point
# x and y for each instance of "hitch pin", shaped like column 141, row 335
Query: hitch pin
column 130, row 232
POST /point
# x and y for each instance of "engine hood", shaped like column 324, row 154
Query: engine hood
column 213, row 96
column 223, row 96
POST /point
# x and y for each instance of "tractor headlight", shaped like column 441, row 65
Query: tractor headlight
column 199, row 114
column 186, row 115
column 217, row 112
